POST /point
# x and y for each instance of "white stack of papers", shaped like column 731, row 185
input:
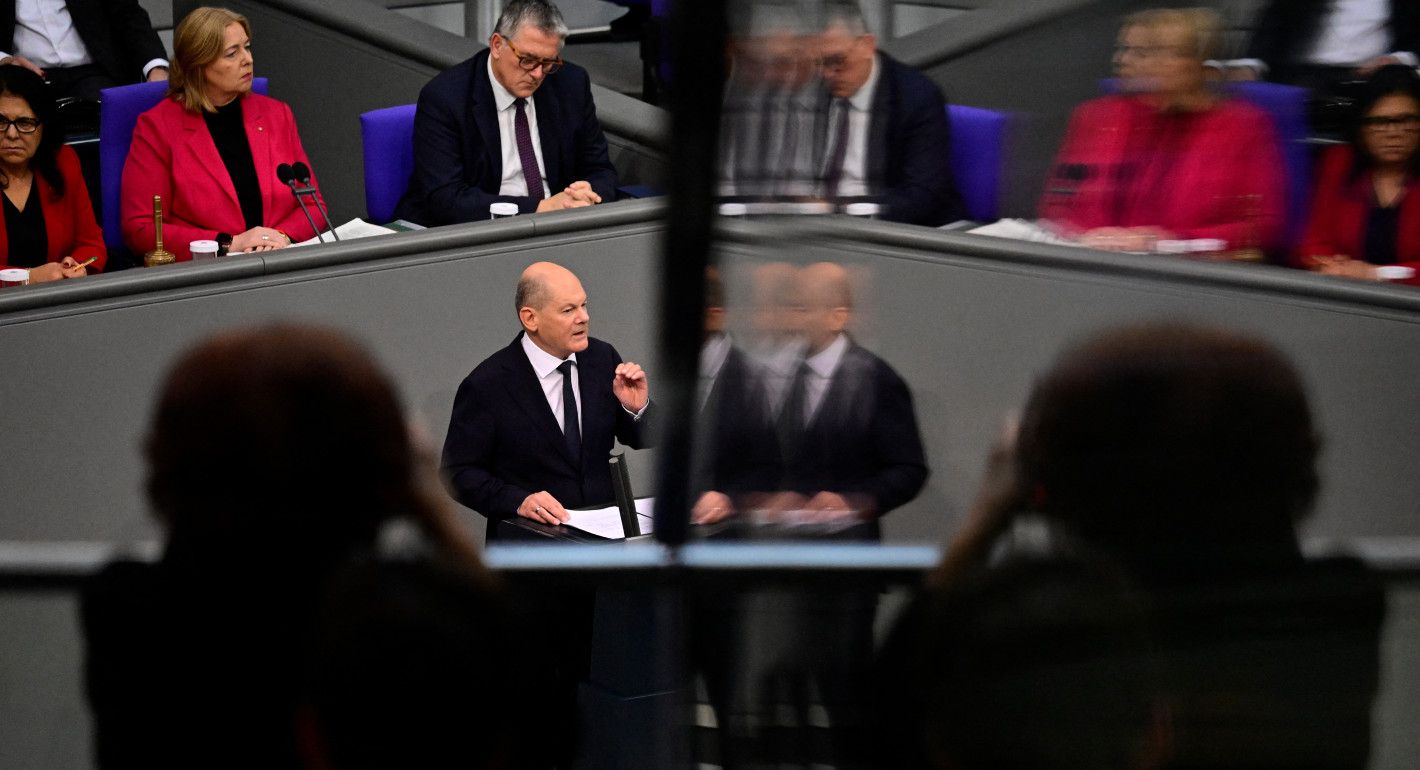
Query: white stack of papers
column 606, row 522
column 355, row 228
column 1021, row 230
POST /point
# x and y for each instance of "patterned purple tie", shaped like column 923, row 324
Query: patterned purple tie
column 531, row 173
column 840, row 150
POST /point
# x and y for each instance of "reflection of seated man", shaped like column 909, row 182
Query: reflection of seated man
column 772, row 109
column 533, row 424
column 513, row 124
column 849, row 437
column 81, row 48
column 1316, row 43
column 888, row 136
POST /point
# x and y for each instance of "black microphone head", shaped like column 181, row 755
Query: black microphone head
column 302, row 172
column 283, row 173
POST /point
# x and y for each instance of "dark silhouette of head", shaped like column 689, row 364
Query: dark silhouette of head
column 284, row 444
column 1169, row 436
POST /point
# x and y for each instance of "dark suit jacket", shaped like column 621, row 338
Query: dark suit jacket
column 118, row 34
column 736, row 451
column 909, row 148
column 458, row 159
column 1286, row 29
column 862, row 440
column 504, row 443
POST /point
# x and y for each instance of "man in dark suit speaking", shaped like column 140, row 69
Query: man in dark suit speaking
column 533, row 424
column 888, row 138
column 514, row 124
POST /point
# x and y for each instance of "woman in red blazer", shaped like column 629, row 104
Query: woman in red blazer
column 1366, row 209
column 48, row 224
column 211, row 150
column 1169, row 159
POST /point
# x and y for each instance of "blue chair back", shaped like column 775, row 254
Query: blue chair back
column 118, row 114
column 388, row 137
column 978, row 158
column 1287, row 106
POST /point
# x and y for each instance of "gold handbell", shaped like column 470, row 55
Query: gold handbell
column 159, row 255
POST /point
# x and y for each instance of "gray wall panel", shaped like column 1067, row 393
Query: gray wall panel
column 44, row 722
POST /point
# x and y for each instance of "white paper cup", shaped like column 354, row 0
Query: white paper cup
column 203, row 249
column 502, row 210
column 1395, row 273
column 14, row 276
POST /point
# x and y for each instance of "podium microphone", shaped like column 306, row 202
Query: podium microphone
column 285, row 176
column 303, row 175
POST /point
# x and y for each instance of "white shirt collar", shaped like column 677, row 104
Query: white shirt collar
column 543, row 362
column 501, row 96
column 713, row 354
column 825, row 362
column 862, row 99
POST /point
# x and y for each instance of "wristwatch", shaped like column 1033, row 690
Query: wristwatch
column 224, row 242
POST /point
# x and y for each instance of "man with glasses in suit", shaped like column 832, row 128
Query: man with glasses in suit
column 514, row 124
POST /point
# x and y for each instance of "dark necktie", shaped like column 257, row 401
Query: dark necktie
column 834, row 172
column 792, row 421
column 570, row 429
column 531, row 173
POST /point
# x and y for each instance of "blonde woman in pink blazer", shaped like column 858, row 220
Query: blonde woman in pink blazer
column 211, row 149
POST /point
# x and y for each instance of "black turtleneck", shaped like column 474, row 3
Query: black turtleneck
column 230, row 135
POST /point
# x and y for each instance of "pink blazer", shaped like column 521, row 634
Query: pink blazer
column 173, row 155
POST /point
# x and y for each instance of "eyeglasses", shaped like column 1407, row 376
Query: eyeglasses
column 1410, row 124
column 530, row 63
column 23, row 125
column 838, row 61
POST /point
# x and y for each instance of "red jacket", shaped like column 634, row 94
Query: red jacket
column 1341, row 207
column 68, row 219
column 1210, row 174
column 173, row 155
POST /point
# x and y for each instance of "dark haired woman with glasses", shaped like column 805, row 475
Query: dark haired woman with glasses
column 1366, row 210
column 48, row 224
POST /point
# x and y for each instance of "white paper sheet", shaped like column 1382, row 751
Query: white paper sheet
column 606, row 522
column 355, row 228
column 1021, row 230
